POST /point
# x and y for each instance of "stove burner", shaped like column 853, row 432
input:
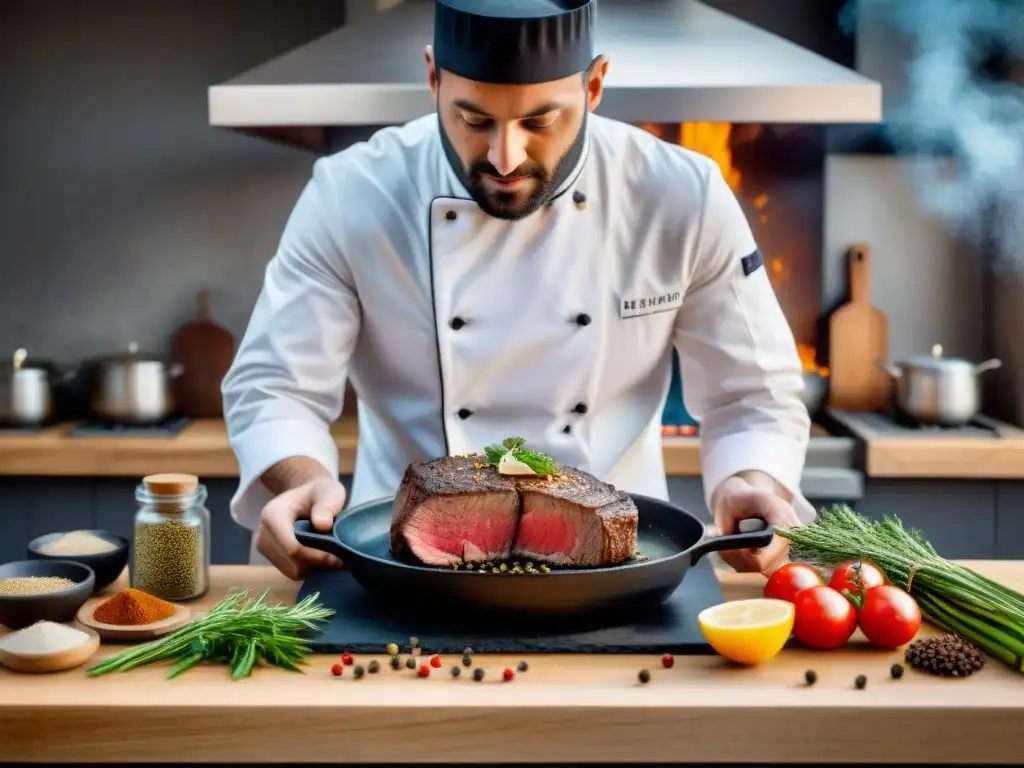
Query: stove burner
column 169, row 427
column 891, row 424
column 900, row 419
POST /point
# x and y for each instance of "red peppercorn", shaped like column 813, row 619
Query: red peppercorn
column 424, row 670
column 508, row 674
column 667, row 661
column 337, row 669
column 346, row 659
column 435, row 662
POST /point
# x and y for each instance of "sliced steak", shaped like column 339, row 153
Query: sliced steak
column 574, row 519
column 454, row 510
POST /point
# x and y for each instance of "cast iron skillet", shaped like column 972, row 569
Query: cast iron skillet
column 671, row 538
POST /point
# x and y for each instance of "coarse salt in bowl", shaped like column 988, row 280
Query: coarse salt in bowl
column 19, row 609
column 42, row 638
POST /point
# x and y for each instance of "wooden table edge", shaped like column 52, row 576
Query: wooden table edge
column 208, row 718
column 762, row 735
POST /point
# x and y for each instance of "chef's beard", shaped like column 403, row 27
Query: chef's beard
column 505, row 205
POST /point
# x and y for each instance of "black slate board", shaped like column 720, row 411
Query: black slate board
column 363, row 625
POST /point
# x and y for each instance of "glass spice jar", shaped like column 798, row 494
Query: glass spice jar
column 171, row 541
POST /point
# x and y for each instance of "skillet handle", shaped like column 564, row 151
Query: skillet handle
column 308, row 537
column 754, row 534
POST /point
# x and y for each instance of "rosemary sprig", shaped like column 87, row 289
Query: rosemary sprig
column 540, row 463
column 239, row 631
column 950, row 596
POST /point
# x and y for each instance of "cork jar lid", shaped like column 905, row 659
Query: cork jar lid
column 171, row 484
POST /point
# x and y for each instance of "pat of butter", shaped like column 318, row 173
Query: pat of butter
column 510, row 465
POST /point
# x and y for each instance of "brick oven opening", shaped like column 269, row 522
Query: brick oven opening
column 777, row 173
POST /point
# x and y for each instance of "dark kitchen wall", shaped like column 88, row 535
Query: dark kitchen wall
column 117, row 201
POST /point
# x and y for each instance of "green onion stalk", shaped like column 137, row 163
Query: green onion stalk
column 954, row 598
column 239, row 631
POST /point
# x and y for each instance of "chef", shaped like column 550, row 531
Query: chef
column 514, row 264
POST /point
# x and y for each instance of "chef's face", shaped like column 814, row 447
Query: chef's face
column 513, row 145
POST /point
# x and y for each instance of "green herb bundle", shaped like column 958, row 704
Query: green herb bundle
column 540, row 463
column 950, row 596
column 239, row 631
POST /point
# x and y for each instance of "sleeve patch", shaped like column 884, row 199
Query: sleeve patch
column 752, row 263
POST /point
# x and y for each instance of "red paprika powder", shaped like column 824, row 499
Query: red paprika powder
column 132, row 608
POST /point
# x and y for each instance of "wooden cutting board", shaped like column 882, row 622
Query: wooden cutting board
column 205, row 351
column 858, row 337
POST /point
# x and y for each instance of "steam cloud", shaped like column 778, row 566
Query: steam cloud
column 955, row 100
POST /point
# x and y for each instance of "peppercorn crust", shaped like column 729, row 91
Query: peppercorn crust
column 463, row 503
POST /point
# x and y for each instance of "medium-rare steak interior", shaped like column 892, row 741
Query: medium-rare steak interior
column 454, row 510
column 574, row 519
column 460, row 510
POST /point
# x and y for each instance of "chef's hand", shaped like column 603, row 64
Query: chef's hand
column 748, row 495
column 319, row 501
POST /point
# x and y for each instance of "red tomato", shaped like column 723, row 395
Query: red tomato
column 889, row 617
column 845, row 577
column 789, row 579
column 824, row 619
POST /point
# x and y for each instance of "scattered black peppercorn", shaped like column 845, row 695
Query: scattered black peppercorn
column 478, row 674
column 456, row 671
column 645, row 676
column 946, row 655
column 373, row 667
column 522, row 666
column 860, row 682
column 811, row 676
column 395, row 662
column 410, row 663
column 467, row 660
column 896, row 671
column 358, row 671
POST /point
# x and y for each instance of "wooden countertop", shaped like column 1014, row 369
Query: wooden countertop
column 566, row 708
column 202, row 449
column 937, row 458
column 995, row 452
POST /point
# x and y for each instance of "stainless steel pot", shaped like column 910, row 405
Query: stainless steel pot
column 937, row 390
column 131, row 388
column 26, row 391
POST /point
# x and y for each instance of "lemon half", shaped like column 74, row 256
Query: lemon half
column 748, row 631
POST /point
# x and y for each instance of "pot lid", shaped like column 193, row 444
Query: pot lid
column 937, row 362
column 131, row 355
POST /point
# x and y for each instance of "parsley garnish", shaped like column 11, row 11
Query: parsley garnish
column 540, row 463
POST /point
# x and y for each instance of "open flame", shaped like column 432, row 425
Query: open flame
column 715, row 141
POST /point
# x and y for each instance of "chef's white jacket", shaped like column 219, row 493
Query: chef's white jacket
column 458, row 329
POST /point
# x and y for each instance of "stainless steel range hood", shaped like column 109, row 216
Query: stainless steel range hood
column 670, row 61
